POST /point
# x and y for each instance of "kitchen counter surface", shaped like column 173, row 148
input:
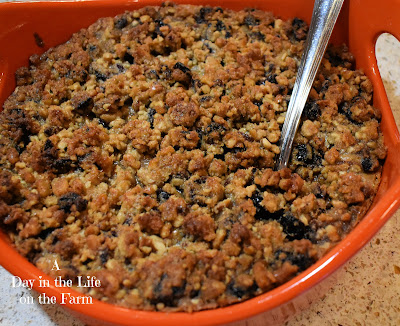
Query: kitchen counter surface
column 365, row 291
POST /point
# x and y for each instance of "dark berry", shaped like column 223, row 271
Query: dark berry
column 151, row 112
column 271, row 78
column 129, row 58
column 336, row 60
column 62, row 165
column 85, row 105
column 168, row 298
column 250, row 20
column 299, row 28
column 100, row 76
column 152, row 74
column 121, row 23
column 205, row 98
column 298, row 23
column 345, row 109
column 302, row 261
column 158, row 23
column 104, row 256
column 236, row 291
column 234, row 150
column 220, row 26
column 181, row 67
column 201, row 16
column 103, row 123
column 48, row 145
column 302, row 153
column 45, row 233
column 163, row 195
column 257, row 36
column 294, row 228
column 261, row 213
column 67, row 201
column 120, row 67
column 311, row 111
column 316, row 158
column 258, row 102
column 214, row 127
column 366, row 164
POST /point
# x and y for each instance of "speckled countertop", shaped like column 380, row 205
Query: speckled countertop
column 365, row 291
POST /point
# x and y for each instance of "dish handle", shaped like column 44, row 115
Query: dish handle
column 368, row 20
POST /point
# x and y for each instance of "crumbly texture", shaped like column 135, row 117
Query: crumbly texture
column 142, row 152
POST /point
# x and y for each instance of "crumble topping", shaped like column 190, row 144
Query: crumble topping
column 143, row 151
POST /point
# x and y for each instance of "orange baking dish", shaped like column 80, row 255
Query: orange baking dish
column 359, row 25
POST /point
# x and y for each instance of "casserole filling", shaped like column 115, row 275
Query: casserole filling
column 142, row 152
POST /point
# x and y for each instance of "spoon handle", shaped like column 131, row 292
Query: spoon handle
column 323, row 20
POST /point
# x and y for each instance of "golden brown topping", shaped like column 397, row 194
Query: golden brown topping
column 200, row 225
column 184, row 114
column 143, row 152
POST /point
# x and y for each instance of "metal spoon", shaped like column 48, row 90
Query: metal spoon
column 323, row 20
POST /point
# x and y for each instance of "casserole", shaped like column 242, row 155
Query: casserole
column 316, row 272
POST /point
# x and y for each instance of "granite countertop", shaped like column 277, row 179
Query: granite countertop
column 365, row 291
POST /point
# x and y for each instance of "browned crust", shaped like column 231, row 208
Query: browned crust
column 142, row 152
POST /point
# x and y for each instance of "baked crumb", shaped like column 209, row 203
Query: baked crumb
column 142, row 152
